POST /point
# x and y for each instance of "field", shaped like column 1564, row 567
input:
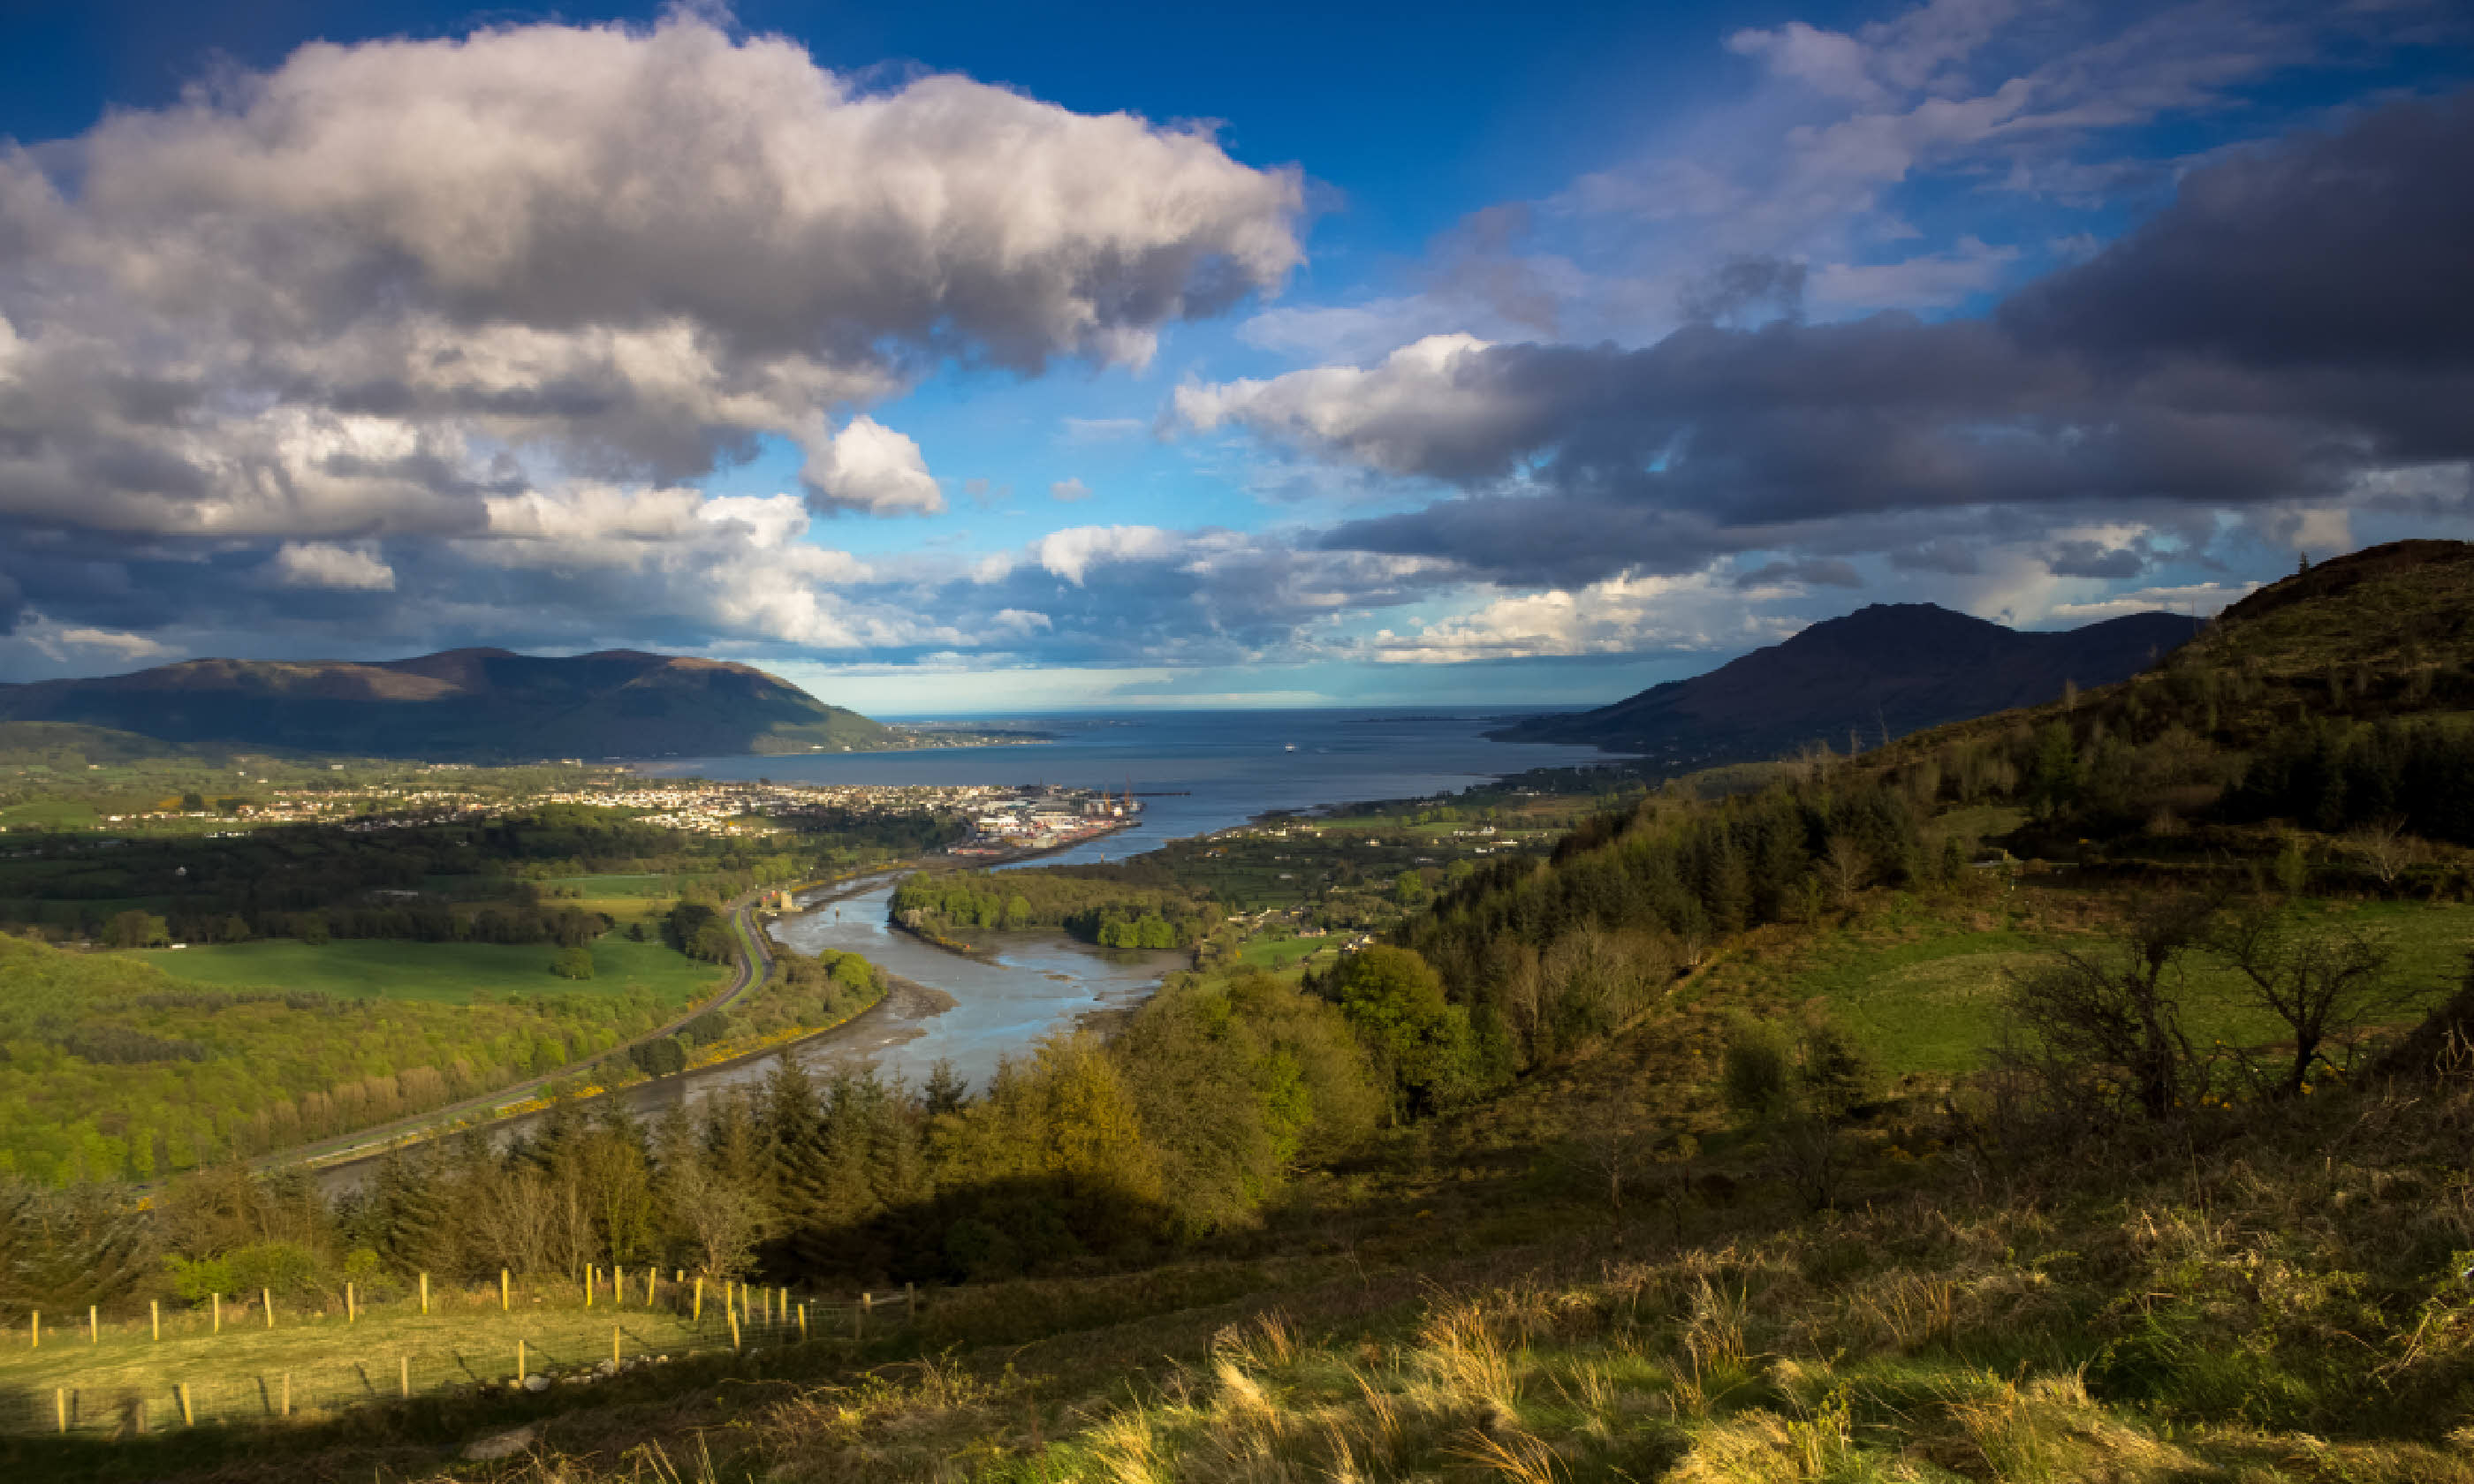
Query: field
column 323, row 1360
column 451, row 974
column 1280, row 954
column 1920, row 988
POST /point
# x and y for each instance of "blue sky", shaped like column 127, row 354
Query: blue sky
column 954, row 358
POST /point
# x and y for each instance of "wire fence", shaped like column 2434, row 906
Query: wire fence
column 231, row 1366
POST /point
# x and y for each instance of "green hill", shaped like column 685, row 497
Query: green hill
column 469, row 704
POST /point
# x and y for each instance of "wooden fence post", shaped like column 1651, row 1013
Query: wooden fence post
column 403, row 1375
column 287, row 1394
column 60, row 1407
column 803, row 1322
column 425, row 1293
column 93, row 1326
column 188, row 1419
column 351, row 1306
column 733, row 1328
column 35, row 1331
column 588, row 1285
column 502, row 1290
column 266, row 1298
column 613, row 1346
column 697, row 1316
column 519, row 1362
column 154, row 1313
column 218, row 1301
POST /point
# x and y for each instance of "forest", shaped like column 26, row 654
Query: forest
column 474, row 882
column 1095, row 909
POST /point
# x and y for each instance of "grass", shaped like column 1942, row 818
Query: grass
column 647, row 883
column 1922, row 988
column 327, row 1360
column 1277, row 955
column 441, row 972
column 53, row 813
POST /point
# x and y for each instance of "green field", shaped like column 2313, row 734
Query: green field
column 1278, row 954
column 645, row 883
column 328, row 1361
column 441, row 972
column 1929, row 999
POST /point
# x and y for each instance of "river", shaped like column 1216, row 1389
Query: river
column 1196, row 771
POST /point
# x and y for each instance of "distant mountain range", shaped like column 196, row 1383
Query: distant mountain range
column 1888, row 669
column 465, row 705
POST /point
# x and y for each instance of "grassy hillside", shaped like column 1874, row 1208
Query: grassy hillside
column 115, row 1070
column 1742, row 1140
column 447, row 973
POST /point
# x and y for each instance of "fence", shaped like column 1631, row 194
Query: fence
column 226, row 1362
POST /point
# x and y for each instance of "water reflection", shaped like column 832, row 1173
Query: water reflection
column 1037, row 982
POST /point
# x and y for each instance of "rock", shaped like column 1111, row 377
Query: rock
column 503, row 1445
column 536, row 1383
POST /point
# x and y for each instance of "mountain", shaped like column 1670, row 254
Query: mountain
column 1892, row 667
column 464, row 704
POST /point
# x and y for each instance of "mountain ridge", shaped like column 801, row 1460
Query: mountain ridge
column 1883, row 671
column 479, row 704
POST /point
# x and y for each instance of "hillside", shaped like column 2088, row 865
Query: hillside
column 1719, row 1147
column 465, row 705
column 1891, row 667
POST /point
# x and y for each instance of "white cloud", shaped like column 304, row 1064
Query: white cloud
column 1073, row 552
column 1393, row 415
column 498, row 298
column 1069, row 491
column 321, row 564
column 82, row 645
column 2203, row 599
column 1627, row 614
column 871, row 467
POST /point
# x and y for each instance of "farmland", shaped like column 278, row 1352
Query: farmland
column 447, row 973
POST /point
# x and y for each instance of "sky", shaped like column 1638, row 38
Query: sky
column 953, row 359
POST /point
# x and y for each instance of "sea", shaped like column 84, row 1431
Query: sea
column 1195, row 772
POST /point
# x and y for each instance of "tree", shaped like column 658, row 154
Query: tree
column 2385, row 848
column 946, row 1091
column 575, row 963
column 1846, row 865
column 1394, row 1002
column 2321, row 980
column 2113, row 1015
column 135, row 930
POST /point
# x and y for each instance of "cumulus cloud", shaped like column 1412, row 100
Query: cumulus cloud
column 869, row 466
column 323, row 564
column 1623, row 615
column 1069, row 491
column 445, row 293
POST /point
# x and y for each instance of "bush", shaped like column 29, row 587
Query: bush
column 1755, row 1080
column 575, row 963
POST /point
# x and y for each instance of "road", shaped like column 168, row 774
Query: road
column 755, row 963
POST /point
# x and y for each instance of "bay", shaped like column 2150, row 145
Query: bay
column 1195, row 772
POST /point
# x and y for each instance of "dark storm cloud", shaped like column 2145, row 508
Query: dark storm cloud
column 1819, row 572
column 1746, row 283
column 2348, row 251
column 2299, row 318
